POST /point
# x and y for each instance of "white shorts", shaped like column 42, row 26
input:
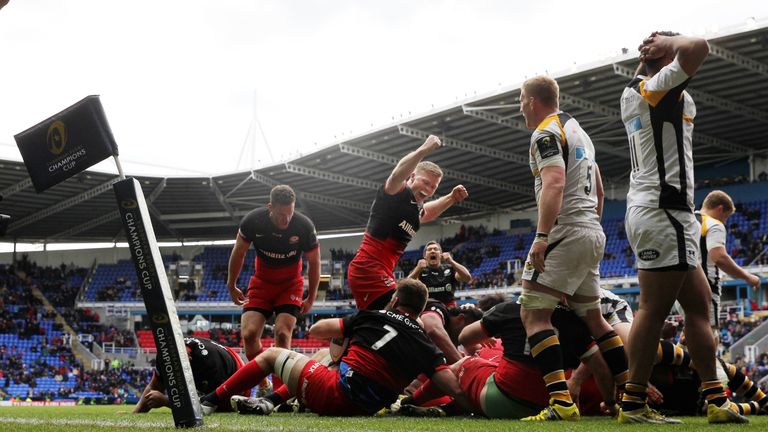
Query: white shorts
column 663, row 239
column 572, row 261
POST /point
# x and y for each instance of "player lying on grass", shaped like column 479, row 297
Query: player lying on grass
column 388, row 349
column 511, row 386
column 211, row 365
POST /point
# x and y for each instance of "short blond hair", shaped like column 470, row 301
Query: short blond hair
column 718, row 198
column 544, row 89
column 429, row 167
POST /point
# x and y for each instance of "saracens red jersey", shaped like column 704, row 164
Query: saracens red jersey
column 393, row 221
column 278, row 252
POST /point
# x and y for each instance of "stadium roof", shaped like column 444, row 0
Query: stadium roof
column 486, row 149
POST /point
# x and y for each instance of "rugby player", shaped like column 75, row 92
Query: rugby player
column 661, row 227
column 397, row 212
column 440, row 273
column 565, row 256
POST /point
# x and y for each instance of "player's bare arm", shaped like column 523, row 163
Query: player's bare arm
column 407, row 165
column 313, row 258
column 724, row 262
column 462, row 273
column 435, row 208
column 689, row 51
column 416, row 272
column 327, row 329
column 550, row 201
column 235, row 265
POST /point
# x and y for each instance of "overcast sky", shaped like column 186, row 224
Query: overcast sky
column 182, row 81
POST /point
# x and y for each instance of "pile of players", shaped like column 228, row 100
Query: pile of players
column 565, row 347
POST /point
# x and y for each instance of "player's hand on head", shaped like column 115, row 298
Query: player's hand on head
column 459, row 193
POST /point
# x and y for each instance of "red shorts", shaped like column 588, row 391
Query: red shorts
column 523, row 381
column 267, row 294
column 472, row 374
column 368, row 281
column 319, row 390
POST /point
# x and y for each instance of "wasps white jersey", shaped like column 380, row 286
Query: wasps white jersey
column 712, row 235
column 658, row 115
column 559, row 140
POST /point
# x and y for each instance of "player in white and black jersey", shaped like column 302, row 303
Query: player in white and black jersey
column 661, row 228
column 564, row 258
column 715, row 211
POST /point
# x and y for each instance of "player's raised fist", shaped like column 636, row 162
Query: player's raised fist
column 432, row 143
column 459, row 193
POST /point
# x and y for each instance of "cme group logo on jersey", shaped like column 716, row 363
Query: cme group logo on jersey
column 56, row 141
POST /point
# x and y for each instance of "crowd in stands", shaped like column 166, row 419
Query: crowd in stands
column 729, row 180
column 35, row 354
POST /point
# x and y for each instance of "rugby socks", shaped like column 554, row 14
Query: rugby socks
column 713, row 392
column 280, row 395
column 635, row 397
column 276, row 381
column 613, row 352
column 672, row 355
column 241, row 381
column 548, row 356
column 425, row 393
column 743, row 386
column 748, row 408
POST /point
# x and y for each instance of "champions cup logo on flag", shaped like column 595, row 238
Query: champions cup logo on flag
column 66, row 143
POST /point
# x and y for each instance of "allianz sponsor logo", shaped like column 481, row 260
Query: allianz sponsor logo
column 407, row 228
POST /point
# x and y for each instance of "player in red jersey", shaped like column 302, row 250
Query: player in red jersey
column 280, row 236
column 396, row 214
column 388, row 348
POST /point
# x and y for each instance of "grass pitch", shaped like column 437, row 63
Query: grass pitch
column 112, row 418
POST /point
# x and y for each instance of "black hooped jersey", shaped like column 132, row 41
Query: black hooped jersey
column 658, row 116
column 441, row 282
column 276, row 247
column 395, row 337
column 211, row 363
column 503, row 321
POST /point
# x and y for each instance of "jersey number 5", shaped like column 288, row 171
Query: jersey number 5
column 391, row 333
